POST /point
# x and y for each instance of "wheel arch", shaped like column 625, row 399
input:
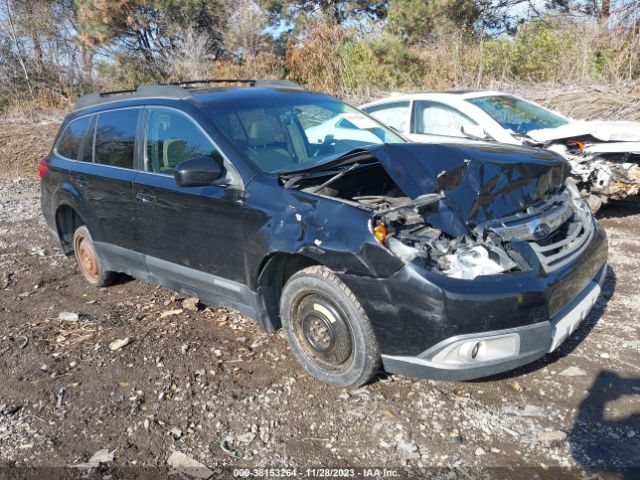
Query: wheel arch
column 67, row 220
column 69, row 212
column 273, row 274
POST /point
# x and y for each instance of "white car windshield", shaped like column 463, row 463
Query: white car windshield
column 287, row 132
column 516, row 114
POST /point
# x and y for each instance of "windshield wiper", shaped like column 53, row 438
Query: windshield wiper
column 334, row 178
column 293, row 179
column 421, row 201
column 332, row 166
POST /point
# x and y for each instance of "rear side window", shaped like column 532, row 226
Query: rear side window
column 115, row 137
column 71, row 140
column 172, row 137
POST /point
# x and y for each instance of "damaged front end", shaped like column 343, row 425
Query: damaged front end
column 410, row 237
column 499, row 257
column 544, row 236
column 460, row 211
column 605, row 162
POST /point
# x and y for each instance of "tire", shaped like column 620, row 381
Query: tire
column 89, row 262
column 327, row 328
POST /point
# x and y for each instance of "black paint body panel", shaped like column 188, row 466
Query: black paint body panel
column 415, row 308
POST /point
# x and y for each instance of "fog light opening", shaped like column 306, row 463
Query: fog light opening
column 468, row 351
column 487, row 349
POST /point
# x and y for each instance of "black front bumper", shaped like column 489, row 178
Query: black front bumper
column 415, row 309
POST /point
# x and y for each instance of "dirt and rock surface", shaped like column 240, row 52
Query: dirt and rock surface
column 135, row 376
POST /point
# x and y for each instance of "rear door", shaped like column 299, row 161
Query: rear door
column 192, row 236
column 105, row 183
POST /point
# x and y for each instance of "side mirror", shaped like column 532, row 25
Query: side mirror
column 198, row 172
column 476, row 132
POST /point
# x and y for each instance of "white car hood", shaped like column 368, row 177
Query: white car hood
column 613, row 147
column 614, row 131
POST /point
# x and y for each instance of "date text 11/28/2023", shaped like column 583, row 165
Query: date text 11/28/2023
column 315, row 473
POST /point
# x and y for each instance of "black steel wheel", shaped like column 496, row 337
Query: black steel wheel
column 322, row 330
column 327, row 329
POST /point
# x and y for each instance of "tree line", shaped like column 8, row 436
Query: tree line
column 51, row 51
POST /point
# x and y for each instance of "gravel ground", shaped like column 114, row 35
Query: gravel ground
column 126, row 376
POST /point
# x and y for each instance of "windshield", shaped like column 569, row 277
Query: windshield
column 284, row 132
column 517, row 115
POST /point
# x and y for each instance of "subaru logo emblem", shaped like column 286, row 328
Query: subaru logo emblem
column 541, row 231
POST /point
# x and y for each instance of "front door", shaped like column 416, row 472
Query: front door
column 192, row 236
column 434, row 122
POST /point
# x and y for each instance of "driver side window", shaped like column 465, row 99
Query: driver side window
column 433, row 118
column 392, row 114
column 173, row 137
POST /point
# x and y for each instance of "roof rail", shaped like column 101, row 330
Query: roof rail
column 194, row 83
column 175, row 90
column 143, row 91
column 275, row 83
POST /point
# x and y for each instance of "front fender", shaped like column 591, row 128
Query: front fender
column 327, row 231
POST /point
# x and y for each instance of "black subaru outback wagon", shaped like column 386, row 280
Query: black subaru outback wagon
column 437, row 261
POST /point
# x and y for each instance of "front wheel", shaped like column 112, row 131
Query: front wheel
column 327, row 328
column 90, row 265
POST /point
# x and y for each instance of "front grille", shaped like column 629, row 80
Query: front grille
column 568, row 230
column 523, row 226
column 579, row 233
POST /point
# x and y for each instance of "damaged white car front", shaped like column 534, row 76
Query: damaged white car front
column 604, row 156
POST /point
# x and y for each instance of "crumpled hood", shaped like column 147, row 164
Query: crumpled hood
column 480, row 182
column 613, row 131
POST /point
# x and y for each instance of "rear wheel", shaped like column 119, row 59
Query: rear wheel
column 327, row 328
column 90, row 265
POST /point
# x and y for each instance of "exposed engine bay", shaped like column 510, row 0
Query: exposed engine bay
column 534, row 218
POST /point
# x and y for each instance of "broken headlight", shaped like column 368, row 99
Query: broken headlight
column 406, row 234
column 404, row 252
column 465, row 262
column 469, row 262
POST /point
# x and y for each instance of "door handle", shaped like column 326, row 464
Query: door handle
column 146, row 197
column 82, row 182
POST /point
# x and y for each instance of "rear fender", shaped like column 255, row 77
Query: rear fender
column 68, row 195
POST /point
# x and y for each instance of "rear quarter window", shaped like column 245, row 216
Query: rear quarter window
column 115, row 137
column 71, row 141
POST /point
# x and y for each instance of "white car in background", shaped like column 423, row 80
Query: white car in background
column 604, row 155
column 353, row 126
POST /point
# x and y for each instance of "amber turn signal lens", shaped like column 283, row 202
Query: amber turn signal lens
column 380, row 232
column 576, row 144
